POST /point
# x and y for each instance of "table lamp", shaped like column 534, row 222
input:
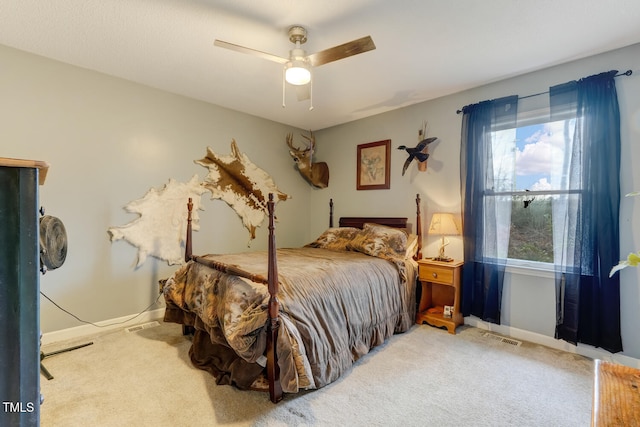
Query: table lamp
column 444, row 224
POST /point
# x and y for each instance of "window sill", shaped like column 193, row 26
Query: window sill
column 531, row 268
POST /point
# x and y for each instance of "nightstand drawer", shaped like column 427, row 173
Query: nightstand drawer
column 431, row 273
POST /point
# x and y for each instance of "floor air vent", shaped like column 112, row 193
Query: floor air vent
column 504, row 340
column 137, row 328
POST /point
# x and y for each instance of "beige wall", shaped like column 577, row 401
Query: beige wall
column 109, row 141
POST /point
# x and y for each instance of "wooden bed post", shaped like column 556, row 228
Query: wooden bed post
column 188, row 249
column 330, row 213
column 273, row 370
column 418, row 227
column 188, row 252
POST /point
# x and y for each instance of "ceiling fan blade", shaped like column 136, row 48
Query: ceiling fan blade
column 303, row 92
column 345, row 50
column 249, row 51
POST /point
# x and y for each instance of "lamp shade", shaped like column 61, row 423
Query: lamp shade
column 444, row 224
column 297, row 73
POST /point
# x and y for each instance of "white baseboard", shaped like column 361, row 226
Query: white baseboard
column 536, row 338
column 103, row 326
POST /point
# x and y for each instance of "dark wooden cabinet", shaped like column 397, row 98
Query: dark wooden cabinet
column 20, row 292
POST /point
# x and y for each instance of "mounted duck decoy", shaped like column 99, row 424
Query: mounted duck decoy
column 416, row 152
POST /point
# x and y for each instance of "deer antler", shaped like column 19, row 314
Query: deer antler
column 290, row 142
column 311, row 139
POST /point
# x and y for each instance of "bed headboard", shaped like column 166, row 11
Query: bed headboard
column 396, row 222
column 358, row 221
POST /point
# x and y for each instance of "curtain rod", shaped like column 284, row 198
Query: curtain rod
column 626, row 73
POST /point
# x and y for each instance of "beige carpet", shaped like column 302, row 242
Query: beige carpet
column 425, row 377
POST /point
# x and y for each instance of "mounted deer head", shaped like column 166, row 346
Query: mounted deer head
column 317, row 174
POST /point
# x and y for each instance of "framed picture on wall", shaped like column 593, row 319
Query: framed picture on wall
column 374, row 164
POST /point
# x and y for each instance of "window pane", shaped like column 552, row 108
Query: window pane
column 533, row 158
column 540, row 155
column 531, row 235
column 503, row 153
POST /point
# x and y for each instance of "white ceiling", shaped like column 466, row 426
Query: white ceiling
column 425, row 48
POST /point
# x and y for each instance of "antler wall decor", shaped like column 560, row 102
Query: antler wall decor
column 317, row 174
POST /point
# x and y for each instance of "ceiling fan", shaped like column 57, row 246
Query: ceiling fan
column 297, row 68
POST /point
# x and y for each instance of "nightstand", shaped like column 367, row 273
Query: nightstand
column 440, row 286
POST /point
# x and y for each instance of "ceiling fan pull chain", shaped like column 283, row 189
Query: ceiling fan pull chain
column 283, row 87
column 311, row 93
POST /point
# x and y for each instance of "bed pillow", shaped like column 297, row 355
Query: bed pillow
column 380, row 241
column 412, row 246
column 337, row 238
column 394, row 238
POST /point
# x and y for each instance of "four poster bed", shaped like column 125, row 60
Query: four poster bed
column 297, row 318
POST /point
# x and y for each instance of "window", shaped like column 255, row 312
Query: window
column 527, row 175
column 579, row 179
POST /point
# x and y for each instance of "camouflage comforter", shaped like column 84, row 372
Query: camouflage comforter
column 334, row 307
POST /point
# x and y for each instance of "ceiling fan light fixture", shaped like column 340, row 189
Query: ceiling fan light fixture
column 297, row 67
column 297, row 73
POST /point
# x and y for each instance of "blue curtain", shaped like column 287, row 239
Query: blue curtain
column 484, row 217
column 586, row 222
